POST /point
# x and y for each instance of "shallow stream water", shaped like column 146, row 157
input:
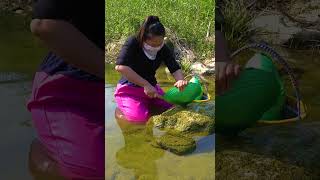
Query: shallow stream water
column 130, row 155
column 20, row 55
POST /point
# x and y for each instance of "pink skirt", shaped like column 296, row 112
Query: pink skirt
column 135, row 104
column 68, row 115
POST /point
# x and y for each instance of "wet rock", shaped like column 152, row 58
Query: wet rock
column 178, row 126
column 19, row 11
column 175, row 143
column 195, row 118
column 295, row 25
column 243, row 165
column 210, row 63
column 179, row 49
column 276, row 31
column 201, row 68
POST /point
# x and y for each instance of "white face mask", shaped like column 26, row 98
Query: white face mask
column 151, row 52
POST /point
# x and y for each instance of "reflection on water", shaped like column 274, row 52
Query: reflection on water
column 15, row 131
column 129, row 154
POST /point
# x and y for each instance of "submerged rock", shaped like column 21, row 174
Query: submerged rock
column 176, row 144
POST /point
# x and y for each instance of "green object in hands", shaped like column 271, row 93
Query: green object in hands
column 195, row 79
column 258, row 93
column 190, row 93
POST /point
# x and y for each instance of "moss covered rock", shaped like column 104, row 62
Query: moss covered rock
column 175, row 143
column 195, row 118
column 180, row 124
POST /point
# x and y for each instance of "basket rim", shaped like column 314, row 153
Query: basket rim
column 303, row 115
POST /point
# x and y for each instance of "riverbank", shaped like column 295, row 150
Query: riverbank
column 291, row 24
column 190, row 28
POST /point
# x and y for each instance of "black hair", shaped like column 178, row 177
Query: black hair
column 150, row 27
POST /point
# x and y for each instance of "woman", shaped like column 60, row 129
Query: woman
column 67, row 102
column 137, row 91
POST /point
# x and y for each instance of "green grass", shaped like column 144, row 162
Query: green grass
column 189, row 19
column 238, row 20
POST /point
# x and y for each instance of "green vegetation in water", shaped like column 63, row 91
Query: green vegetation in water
column 191, row 20
column 195, row 118
column 20, row 51
column 180, row 125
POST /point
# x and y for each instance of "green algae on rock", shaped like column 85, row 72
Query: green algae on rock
column 195, row 118
column 175, row 143
column 180, row 124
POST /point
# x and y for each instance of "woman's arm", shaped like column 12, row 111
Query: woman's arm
column 221, row 52
column 135, row 78
column 178, row 75
column 70, row 44
column 226, row 71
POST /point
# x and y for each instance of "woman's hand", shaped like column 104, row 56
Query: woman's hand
column 225, row 73
column 181, row 84
column 151, row 91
